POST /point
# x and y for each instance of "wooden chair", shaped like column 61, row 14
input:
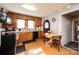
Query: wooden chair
column 56, row 42
column 45, row 39
column 19, row 40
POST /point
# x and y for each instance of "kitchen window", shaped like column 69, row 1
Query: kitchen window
column 20, row 23
column 31, row 24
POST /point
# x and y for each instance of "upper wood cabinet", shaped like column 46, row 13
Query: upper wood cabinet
column 15, row 16
column 38, row 22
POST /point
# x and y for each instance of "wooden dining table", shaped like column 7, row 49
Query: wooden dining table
column 53, row 37
column 49, row 35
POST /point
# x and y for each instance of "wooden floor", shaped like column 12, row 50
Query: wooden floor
column 47, row 50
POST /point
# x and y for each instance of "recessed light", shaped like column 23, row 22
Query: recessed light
column 29, row 7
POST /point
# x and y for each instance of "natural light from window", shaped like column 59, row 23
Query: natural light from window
column 20, row 23
column 31, row 24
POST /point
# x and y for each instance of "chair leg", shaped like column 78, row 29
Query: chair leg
column 58, row 48
column 61, row 46
column 44, row 41
column 50, row 45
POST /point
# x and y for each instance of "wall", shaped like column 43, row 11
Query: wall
column 54, row 26
column 60, row 24
column 73, row 35
column 66, row 29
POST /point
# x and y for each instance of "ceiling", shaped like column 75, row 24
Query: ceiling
column 43, row 9
column 73, row 14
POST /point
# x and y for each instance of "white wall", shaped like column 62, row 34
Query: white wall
column 66, row 29
column 54, row 26
column 57, row 26
column 73, row 35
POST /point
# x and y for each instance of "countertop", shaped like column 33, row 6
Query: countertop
column 27, row 31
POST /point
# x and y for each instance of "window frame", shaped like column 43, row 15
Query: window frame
column 24, row 24
column 33, row 24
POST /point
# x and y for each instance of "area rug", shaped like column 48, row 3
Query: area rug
column 36, row 51
column 20, row 49
column 72, row 45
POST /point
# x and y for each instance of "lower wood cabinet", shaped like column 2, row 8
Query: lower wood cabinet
column 39, row 34
column 26, row 36
column 23, row 36
column 29, row 36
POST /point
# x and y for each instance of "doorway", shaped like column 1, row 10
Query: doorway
column 76, row 30
column 46, row 26
column 70, row 30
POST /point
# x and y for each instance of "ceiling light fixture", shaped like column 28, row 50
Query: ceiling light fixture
column 29, row 7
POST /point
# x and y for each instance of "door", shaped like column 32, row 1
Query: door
column 76, row 23
column 46, row 26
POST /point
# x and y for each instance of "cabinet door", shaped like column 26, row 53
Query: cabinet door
column 29, row 37
column 14, row 23
column 36, row 22
column 40, row 34
column 25, row 36
column 21, row 36
column 40, row 22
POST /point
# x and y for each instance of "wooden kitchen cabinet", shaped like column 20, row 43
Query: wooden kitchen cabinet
column 38, row 22
column 20, row 39
column 40, row 34
column 21, row 36
column 29, row 36
column 24, row 36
